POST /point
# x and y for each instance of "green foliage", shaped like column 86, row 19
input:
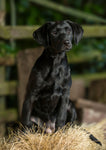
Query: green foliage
column 94, row 8
column 31, row 14
column 6, row 49
column 86, row 48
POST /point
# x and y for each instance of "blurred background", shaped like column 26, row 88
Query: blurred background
column 18, row 52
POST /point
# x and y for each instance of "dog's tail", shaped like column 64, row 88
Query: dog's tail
column 93, row 138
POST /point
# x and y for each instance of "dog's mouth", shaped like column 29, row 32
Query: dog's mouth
column 61, row 46
column 67, row 45
column 64, row 48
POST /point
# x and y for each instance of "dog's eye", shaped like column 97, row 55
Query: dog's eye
column 54, row 33
column 68, row 31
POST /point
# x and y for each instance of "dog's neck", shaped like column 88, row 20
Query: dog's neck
column 50, row 53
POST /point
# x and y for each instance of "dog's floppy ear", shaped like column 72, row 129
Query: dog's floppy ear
column 77, row 31
column 41, row 34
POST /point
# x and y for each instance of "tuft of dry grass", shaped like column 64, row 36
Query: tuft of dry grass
column 64, row 139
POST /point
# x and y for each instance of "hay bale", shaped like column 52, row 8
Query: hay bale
column 65, row 139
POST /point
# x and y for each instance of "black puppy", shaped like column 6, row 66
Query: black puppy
column 47, row 98
column 48, row 91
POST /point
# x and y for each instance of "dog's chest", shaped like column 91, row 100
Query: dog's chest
column 60, row 71
column 57, row 84
column 60, row 75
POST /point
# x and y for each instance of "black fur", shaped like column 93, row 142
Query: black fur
column 48, row 90
column 95, row 139
column 47, row 97
column 92, row 137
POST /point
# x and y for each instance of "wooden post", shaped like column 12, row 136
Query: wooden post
column 2, row 69
column 2, row 100
column 2, row 12
column 13, row 20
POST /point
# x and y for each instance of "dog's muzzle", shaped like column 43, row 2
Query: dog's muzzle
column 67, row 44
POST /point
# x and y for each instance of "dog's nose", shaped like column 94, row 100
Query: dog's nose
column 66, row 42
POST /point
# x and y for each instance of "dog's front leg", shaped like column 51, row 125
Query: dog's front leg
column 26, row 113
column 71, row 112
column 62, row 114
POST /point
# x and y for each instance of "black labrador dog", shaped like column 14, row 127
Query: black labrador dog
column 48, row 91
column 47, row 98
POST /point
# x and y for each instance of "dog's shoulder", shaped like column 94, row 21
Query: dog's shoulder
column 43, row 61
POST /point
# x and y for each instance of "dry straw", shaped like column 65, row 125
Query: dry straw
column 65, row 139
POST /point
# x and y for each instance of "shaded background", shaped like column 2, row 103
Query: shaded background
column 87, row 59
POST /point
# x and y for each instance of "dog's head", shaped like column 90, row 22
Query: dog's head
column 58, row 35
